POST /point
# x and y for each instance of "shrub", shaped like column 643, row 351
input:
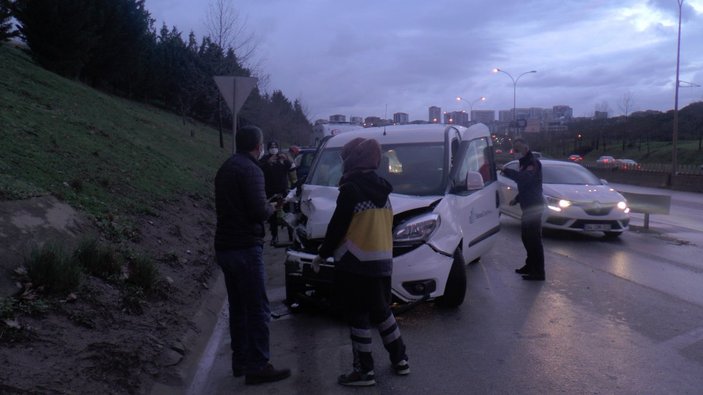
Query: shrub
column 98, row 260
column 142, row 272
column 51, row 268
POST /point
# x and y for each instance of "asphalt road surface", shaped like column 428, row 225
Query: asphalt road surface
column 622, row 316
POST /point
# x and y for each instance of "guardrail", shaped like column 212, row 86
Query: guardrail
column 647, row 204
column 649, row 167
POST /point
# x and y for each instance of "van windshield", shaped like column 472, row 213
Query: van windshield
column 412, row 169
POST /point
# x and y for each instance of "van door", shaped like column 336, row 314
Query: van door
column 473, row 197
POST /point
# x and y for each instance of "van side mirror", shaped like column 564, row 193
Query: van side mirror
column 474, row 181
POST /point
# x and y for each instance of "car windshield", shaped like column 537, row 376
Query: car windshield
column 412, row 169
column 564, row 174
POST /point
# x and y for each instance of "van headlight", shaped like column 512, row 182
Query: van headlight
column 556, row 204
column 416, row 229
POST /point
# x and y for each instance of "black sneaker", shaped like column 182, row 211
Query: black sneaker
column 267, row 374
column 402, row 368
column 358, row 379
column 523, row 270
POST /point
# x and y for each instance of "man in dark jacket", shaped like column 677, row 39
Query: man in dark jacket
column 278, row 169
column 359, row 236
column 241, row 211
column 531, row 199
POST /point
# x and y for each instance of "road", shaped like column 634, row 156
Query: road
column 622, row 316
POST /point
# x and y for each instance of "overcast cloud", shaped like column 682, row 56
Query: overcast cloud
column 358, row 57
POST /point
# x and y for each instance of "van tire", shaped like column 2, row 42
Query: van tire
column 455, row 290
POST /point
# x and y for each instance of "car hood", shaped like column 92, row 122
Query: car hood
column 583, row 193
column 318, row 204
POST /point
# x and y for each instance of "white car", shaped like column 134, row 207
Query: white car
column 575, row 199
column 445, row 210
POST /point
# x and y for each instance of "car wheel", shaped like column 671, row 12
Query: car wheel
column 612, row 235
column 455, row 290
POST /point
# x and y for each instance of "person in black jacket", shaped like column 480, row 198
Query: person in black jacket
column 278, row 169
column 531, row 199
column 242, row 208
column 359, row 236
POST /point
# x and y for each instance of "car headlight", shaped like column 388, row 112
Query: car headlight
column 557, row 204
column 416, row 229
column 623, row 206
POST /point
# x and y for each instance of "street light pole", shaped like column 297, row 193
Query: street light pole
column 515, row 80
column 675, row 134
column 471, row 104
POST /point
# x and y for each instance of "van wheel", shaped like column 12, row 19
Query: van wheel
column 455, row 290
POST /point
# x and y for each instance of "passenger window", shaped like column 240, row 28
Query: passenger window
column 476, row 159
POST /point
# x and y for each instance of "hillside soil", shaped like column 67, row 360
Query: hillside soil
column 104, row 338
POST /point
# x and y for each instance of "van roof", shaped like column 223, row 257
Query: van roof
column 415, row 133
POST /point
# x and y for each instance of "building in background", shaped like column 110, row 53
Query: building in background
column 401, row 118
column 563, row 112
column 356, row 120
column 486, row 117
column 435, row 115
column 600, row 115
column 337, row 118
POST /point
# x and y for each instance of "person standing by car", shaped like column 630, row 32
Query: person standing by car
column 277, row 168
column 359, row 236
column 241, row 206
column 529, row 184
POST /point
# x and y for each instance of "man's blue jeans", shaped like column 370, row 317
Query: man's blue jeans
column 249, row 312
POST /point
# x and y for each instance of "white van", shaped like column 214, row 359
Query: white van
column 445, row 210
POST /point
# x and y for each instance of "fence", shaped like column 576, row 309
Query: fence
column 688, row 177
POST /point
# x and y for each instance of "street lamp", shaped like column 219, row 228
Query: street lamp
column 515, row 80
column 471, row 104
column 675, row 134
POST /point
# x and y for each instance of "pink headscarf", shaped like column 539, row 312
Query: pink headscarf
column 360, row 155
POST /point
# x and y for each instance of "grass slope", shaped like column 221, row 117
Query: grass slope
column 105, row 155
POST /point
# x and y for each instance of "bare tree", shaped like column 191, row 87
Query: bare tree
column 226, row 27
column 625, row 105
column 602, row 107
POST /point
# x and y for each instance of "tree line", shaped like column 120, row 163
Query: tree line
column 112, row 45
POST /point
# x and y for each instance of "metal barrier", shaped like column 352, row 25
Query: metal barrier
column 647, row 204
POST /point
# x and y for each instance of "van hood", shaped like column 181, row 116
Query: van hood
column 318, row 204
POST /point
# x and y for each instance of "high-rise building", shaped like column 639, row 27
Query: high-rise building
column 435, row 115
column 400, row 118
column 483, row 116
column 563, row 112
column 457, row 118
column 600, row 115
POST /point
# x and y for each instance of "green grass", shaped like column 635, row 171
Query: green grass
column 98, row 260
column 105, row 155
column 50, row 268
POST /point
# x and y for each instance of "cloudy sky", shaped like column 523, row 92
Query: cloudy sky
column 378, row 57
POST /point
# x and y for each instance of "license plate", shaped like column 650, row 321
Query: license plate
column 596, row 227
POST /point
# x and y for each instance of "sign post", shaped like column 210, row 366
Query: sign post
column 235, row 90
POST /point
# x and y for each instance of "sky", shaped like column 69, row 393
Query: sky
column 378, row 57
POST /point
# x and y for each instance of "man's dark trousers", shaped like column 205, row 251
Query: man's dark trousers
column 531, row 232
column 249, row 312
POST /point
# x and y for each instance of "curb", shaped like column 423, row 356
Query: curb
column 195, row 340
